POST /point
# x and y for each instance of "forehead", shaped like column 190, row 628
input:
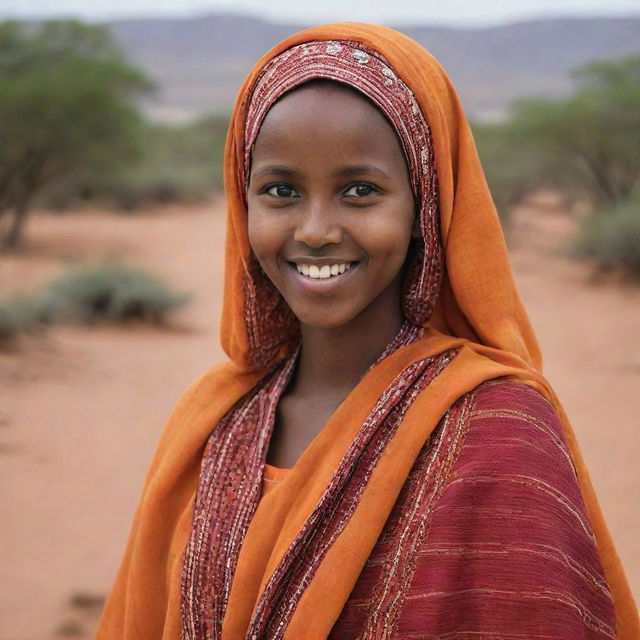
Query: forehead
column 326, row 99
column 317, row 112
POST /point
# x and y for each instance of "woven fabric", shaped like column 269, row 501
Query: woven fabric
column 489, row 538
column 229, row 491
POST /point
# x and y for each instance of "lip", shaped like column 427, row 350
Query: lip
column 320, row 262
column 319, row 285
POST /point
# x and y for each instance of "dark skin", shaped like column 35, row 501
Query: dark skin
column 329, row 186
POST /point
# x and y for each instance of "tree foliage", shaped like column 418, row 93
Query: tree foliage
column 586, row 145
column 67, row 109
column 180, row 163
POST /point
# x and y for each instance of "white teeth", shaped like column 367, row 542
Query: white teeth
column 324, row 272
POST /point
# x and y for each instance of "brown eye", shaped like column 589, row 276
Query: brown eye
column 360, row 190
column 282, row 191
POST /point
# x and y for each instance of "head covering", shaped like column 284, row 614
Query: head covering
column 478, row 315
column 360, row 67
column 478, row 299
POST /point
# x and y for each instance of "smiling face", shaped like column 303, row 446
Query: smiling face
column 330, row 206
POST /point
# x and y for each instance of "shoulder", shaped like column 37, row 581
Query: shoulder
column 199, row 409
column 508, row 395
column 511, row 526
column 514, row 460
column 512, row 430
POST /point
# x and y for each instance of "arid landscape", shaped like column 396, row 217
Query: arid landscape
column 82, row 408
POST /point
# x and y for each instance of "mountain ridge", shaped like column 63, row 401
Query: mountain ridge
column 199, row 62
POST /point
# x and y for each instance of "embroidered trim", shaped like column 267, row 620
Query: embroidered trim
column 228, row 494
column 229, row 491
column 336, row 506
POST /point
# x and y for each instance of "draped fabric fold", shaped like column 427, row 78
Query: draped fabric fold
column 477, row 332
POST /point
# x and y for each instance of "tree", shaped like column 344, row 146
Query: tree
column 511, row 171
column 67, row 108
column 180, row 163
column 588, row 143
column 585, row 146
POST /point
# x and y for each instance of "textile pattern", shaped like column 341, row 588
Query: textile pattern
column 229, row 490
column 489, row 538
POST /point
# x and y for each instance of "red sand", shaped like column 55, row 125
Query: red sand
column 81, row 409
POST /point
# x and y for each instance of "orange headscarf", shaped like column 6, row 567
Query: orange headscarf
column 478, row 311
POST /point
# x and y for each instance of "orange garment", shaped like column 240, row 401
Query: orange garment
column 272, row 485
column 273, row 477
column 479, row 311
column 277, row 498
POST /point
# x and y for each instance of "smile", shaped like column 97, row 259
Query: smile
column 325, row 271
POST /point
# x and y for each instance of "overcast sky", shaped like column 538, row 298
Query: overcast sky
column 454, row 12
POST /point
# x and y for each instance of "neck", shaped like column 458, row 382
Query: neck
column 333, row 360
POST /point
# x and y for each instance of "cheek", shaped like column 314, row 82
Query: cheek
column 404, row 225
column 389, row 237
column 263, row 235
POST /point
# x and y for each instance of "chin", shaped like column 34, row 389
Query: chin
column 323, row 319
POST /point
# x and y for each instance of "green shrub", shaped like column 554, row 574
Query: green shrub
column 108, row 293
column 98, row 294
column 20, row 314
column 611, row 238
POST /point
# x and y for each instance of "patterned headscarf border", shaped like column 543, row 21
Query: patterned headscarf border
column 364, row 69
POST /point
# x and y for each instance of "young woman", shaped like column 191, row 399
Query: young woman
column 381, row 456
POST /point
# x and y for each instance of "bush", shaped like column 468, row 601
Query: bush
column 108, row 293
column 512, row 172
column 611, row 238
column 99, row 294
column 584, row 146
column 21, row 314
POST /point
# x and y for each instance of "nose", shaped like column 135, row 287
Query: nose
column 318, row 225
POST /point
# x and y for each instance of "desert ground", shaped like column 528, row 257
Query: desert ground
column 81, row 409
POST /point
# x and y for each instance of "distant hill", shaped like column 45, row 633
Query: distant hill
column 199, row 63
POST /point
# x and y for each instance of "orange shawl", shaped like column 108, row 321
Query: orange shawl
column 478, row 311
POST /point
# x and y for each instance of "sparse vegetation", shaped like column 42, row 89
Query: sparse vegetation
column 585, row 146
column 511, row 172
column 177, row 164
column 611, row 238
column 103, row 293
column 108, row 293
column 19, row 314
column 87, row 601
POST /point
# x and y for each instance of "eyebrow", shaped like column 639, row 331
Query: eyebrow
column 350, row 171
column 342, row 172
column 271, row 169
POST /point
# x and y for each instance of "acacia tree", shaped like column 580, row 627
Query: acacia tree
column 589, row 143
column 67, row 108
column 585, row 146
